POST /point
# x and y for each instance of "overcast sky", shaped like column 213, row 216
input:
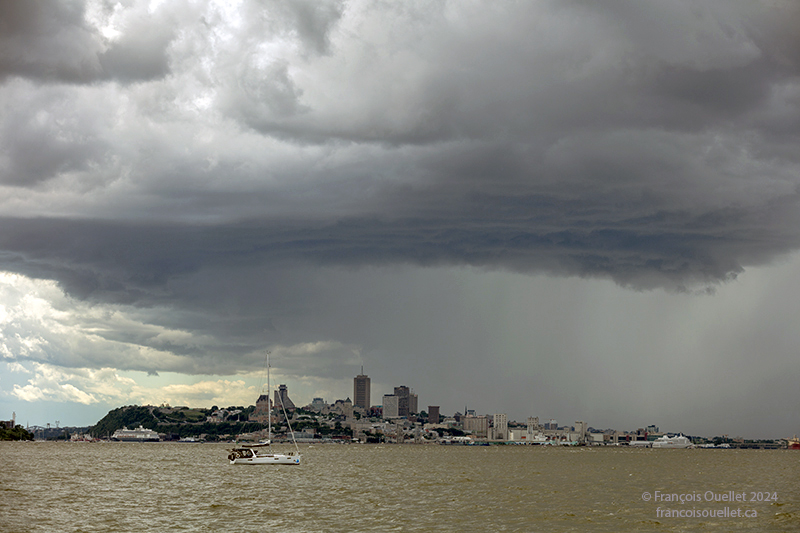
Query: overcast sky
column 568, row 209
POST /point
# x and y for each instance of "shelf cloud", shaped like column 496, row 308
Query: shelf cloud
column 210, row 168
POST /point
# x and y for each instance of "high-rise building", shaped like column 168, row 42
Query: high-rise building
column 390, row 406
column 361, row 392
column 407, row 401
column 433, row 414
column 282, row 398
column 500, row 426
column 402, row 392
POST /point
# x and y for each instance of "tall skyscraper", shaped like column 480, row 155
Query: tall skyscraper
column 406, row 401
column 361, row 392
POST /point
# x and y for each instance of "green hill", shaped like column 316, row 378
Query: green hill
column 18, row 433
column 130, row 416
column 180, row 421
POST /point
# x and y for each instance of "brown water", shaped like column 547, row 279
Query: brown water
column 191, row 487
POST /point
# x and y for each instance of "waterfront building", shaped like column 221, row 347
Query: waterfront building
column 517, row 435
column 580, row 429
column 477, row 425
column 391, row 408
column 533, row 425
column 282, row 398
column 595, row 438
column 433, row 414
column 500, row 423
column 361, row 390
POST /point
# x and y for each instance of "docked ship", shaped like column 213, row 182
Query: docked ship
column 139, row 434
column 794, row 443
column 678, row 441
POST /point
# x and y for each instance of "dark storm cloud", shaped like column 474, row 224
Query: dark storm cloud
column 48, row 41
column 54, row 42
column 650, row 144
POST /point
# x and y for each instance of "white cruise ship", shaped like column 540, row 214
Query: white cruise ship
column 139, row 434
column 678, row 441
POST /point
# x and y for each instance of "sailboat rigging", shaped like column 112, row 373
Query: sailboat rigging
column 259, row 454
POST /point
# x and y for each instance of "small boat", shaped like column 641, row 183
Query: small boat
column 259, row 453
column 678, row 441
column 794, row 443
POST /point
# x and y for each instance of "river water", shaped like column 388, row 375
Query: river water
column 109, row 487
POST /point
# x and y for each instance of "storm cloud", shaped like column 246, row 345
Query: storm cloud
column 221, row 164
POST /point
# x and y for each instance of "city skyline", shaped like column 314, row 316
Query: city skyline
column 581, row 209
column 479, row 424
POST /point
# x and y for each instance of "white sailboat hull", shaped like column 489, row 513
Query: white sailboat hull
column 258, row 454
column 268, row 459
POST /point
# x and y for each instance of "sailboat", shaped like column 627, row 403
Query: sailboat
column 260, row 454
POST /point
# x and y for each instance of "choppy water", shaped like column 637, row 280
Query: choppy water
column 191, row 487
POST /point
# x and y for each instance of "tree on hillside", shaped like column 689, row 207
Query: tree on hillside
column 17, row 433
column 130, row 416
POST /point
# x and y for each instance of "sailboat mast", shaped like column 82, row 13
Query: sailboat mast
column 269, row 406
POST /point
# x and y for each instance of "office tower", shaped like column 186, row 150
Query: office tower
column 407, row 401
column 361, row 392
column 402, row 392
column 390, row 406
column 282, row 398
column 433, row 414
